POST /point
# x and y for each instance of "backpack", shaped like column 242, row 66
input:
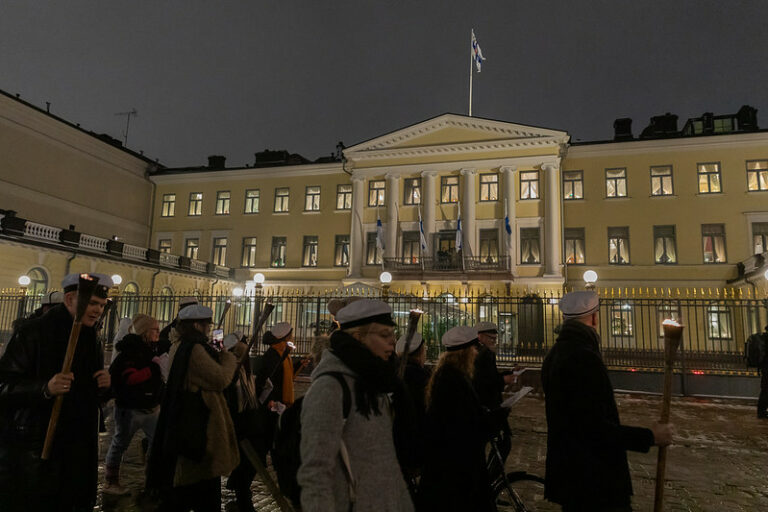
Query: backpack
column 286, row 453
column 755, row 350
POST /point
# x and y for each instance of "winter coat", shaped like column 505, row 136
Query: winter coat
column 209, row 375
column 455, row 477
column 137, row 382
column 380, row 485
column 271, row 367
column 586, row 442
column 488, row 382
column 32, row 357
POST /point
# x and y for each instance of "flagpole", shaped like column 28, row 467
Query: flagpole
column 471, row 63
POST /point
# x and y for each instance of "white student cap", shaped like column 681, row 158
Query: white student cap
column 196, row 312
column 70, row 282
column 487, row 327
column 281, row 330
column 365, row 311
column 416, row 342
column 459, row 338
column 579, row 304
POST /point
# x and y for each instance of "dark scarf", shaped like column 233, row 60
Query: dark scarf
column 165, row 451
column 573, row 331
column 374, row 375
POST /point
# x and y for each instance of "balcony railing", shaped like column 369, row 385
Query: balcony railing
column 448, row 262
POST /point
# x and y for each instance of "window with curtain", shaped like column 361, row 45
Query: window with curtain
column 489, row 245
column 341, row 252
column 372, row 250
column 249, row 252
column 411, row 247
column 169, row 205
column 449, row 189
column 282, row 196
column 277, row 256
column 489, row 187
column 252, row 201
column 343, row 197
column 757, row 175
column 309, row 258
column 622, row 320
column 164, row 245
column 412, row 191
column 191, row 248
column 574, row 246
column 719, row 322
column 222, row 202
column 220, row 251
column 616, row 182
column 377, row 192
column 530, row 252
column 713, row 242
column 709, row 178
column 759, row 237
column 664, row 244
column 195, row 204
column 312, row 199
column 618, row 245
column 529, row 185
column 661, row 181
column 573, row 185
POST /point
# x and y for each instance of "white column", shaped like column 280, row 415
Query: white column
column 552, row 228
column 468, row 211
column 508, row 182
column 393, row 194
column 428, row 206
column 356, row 235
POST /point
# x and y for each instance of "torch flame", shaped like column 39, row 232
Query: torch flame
column 671, row 322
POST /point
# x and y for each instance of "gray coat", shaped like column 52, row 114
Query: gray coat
column 324, row 488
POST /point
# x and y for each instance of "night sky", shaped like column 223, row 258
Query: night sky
column 236, row 77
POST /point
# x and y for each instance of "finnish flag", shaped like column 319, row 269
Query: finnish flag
column 379, row 234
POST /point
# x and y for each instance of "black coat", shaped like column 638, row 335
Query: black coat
column 455, row 477
column 488, row 382
column 137, row 381
column 32, row 357
column 586, row 443
column 270, row 367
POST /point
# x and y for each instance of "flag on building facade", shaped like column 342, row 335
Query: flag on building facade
column 458, row 228
column 379, row 233
column 422, row 237
column 477, row 53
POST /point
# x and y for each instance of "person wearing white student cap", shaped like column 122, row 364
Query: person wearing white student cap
column 455, row 476
column 586, row 468
column 358, row 371
column 30, row 381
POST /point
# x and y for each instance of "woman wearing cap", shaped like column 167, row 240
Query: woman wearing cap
column 137, row 384
column 369, row 477
column 455, row 477
column 195, row 443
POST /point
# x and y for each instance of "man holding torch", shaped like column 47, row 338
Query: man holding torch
column 33, row 375
column 586, row 468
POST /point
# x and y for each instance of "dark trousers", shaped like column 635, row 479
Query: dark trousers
column 203, row 496
column 762, row 401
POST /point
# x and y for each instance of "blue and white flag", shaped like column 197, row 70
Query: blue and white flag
column 507, row 227
column 458, row 228
column 477, row 53
column 422, row 237
column 379, row 234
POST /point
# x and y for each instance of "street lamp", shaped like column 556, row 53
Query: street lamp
column 590, row 278
column 259, row 279
column 117, row 279
column 237, row 291
column 24, row 280
column 385, row 278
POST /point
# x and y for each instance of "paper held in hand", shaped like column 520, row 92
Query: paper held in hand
column 512, row 400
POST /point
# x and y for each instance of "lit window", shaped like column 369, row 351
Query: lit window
column 309, row 258
column 281, row 200
column 343, row 197
column 195, row 203
column 489, row 187
column 376, row 193
column 668, row 312
column 129, row 301
column 412, row 191
column 573, row 185
column 719, row 322
column 249, row 252
column 618, row 246
column 664, row 244
column 278, row 251
column 529, row 185
column 759, row 237
column 169, row 205
column 191, row 247
column 312, row 199
column 164, row 246
column 252, row 201
column 530, row 252
column 616, row 182
column 411, row 249
column 220, row 251
column 709, row 178
column 341, row 253
column 713, row 241
column 622, row 320
column 489, row 245
column 372, row 250
column 222, row 202
column 574, row 246
column 165, row 304
column 661, row 181
column 757, row 175
column 449, row 189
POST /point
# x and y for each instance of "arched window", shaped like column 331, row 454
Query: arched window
column 129, row 303
column 165, row 305
column 38, row 284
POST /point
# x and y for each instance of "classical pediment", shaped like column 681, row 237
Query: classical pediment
column 452, row 133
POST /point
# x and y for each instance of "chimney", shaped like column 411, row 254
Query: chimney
column 747, row 118
column 217, row 162
column 622, row 129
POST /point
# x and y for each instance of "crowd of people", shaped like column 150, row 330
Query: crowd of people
column 376, row 431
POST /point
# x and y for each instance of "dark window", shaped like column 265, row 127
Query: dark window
column 574, row 246
column 277, row 257
column 573, row 185
column 713, row 241
column 618, row 245
column 412, row 191
column 169, row 205
column 664, row 244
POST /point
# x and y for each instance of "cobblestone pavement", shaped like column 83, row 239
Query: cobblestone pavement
column 718, row 462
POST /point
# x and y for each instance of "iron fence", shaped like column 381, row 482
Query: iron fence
column 717, row 325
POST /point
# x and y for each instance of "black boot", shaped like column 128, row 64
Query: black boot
column 244, row 500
